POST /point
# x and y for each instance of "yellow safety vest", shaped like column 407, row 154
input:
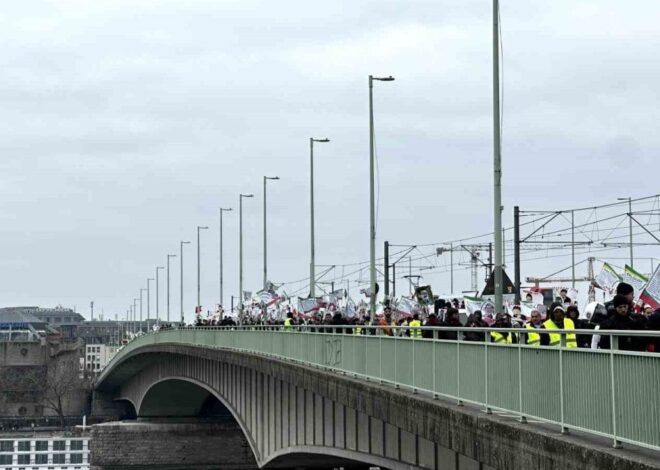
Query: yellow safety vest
column 500, row 338
column 555, row 338
column 415, row 328
column 532, row 338
column 287, row 324
column 357, row 330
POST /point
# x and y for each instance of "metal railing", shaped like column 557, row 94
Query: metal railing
column 606, row 392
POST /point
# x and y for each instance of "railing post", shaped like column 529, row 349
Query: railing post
column 614, row 343
column 366, row 354
column 395, row 332
column 523, row 419
column 435, row 338
column 458, row 371
column 414, row 340
column 488, row 410
column 564, row 429
column 380, row 357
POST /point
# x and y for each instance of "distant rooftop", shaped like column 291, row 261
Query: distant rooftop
column 19, row 318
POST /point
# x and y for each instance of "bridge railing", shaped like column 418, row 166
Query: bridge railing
column 607, row 392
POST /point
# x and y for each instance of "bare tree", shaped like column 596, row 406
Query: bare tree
column 61, row 382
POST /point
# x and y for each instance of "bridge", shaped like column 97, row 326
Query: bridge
column 263, row 397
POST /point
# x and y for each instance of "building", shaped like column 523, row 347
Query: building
column 73, row 325
column 63, row 319
column 35, row 363
column 97, row 356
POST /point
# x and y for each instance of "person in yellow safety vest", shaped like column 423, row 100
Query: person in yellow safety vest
column 288, row 322
column 415, row 327
column 557, row 321
column 533, row 338
column 503, row 320
column 358, row 329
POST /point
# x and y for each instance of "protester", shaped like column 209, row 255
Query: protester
column 627, row 291
column 503, row 320
column 583, row 341
column 451, row 320
column 432, row 320
column 415, row 327
column 558, row 321
column 533, row 338
column 386, row 322
column 622, row 319
column 475, row 321
column 653, row 323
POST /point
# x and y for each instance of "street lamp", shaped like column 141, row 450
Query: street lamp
column 630, row 225
column 372, row 197
column 141, row 290
column 181, row 278
column 221, row 299
column 134, row 314
column 497, row 163
column 168, row 286
column 312, row 268
column 148, row 301
column 266, row 178
column 158, row 268
column 199, row 303
column 240, row 250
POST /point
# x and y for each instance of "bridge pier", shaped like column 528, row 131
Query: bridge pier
column 170, row 444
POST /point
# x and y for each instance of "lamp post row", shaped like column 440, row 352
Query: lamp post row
column 312, row 271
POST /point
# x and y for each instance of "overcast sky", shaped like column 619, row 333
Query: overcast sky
column 126, row 124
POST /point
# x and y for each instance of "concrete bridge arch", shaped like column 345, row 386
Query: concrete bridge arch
column 294, row 415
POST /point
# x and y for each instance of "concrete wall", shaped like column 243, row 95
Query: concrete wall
column 23, row 372
column 287, row 410
column 117, row 446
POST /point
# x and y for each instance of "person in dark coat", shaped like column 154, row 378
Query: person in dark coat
column 627, row 291
column 653, row 323
column 432, row 320
column 451, row 320
column 623, row 319
column 475, row 321
column 572, row 312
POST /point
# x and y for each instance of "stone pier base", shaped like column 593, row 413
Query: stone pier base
column 133, row 445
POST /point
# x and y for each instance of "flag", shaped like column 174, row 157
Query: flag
column 336, row 295
column 406, row 306
column 267, row 297
column 351, row 309
column 651, row 293
column 607, row 279
column 635, row 279
column 247, row 295
column 308, row 305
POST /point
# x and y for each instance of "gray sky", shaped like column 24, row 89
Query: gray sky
column 126, row 124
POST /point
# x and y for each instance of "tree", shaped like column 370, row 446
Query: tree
column 60, row 383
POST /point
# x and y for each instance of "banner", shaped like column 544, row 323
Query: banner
column 607, row 279
column 247, row 295
column 406, row 306
column 651, row 293
column 472, row 304
column 635, row 279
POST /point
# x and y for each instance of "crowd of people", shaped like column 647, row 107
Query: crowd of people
column 537, row 329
